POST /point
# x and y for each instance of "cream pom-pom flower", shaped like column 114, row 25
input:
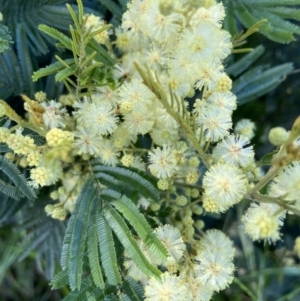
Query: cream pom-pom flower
column 225, row 185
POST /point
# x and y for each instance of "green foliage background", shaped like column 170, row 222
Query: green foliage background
column 30, row 242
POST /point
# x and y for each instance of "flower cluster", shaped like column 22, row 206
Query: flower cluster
column 193, row 278
column 169, row 113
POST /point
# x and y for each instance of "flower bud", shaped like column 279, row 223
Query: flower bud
column 278, row 135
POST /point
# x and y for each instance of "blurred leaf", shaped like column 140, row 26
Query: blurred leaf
column 5, row 38
column 259, row 81
column 245, row 62
column 276, row 12
column 266, row 159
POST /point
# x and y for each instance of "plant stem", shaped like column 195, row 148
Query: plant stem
column 266, row 179
column 244, row 288
column 256, row 196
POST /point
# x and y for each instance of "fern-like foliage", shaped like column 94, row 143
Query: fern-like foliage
column 140, row 225
column 101, row 220
column 32, row 13
column 5, row 38
column 90, row 71
column 44, row 235
column 22, row 18
column 133, row 289
column 121, row 177
column 9, row 207
column 61, row 279
column 121, row 230
column 278, row 28
column 21, row 187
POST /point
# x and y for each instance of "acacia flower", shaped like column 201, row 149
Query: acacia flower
column 217, row 240
column 167, row 288
column 163, row 163
column 98, row 117
column 214, row 269
column 245, row 127
column 224, row 184
column 261, row 222
column 172, row 240
column 136, row 93
column 216, row 123
column 137, row 122
column 108, row 153
column 287, row 183
column 223, row 100
column 199, row 290
column 232, row 149
column 87, row 142
column 54, row 116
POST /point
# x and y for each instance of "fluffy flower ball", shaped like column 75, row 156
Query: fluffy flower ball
column 225, row 185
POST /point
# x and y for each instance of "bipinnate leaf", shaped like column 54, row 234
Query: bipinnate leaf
column 5, row 38
column 133, row 289
column 129, row 243
column 141, row 226
column 13, row 173
column 93, row 246
column 108, row 251
column 76, row 234
column 54, row 33
column 59, row 280
column 53, row 68
column 121, row 176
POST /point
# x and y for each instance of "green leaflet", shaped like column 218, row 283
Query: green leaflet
column 133, row 289
column 4, row 148
column 257, row 82
column 44, row 237
column 82, row 294
column 53, row 68
column 266, row 159
column 124, row 297
column 79, row 235
column 8, row 207
column 108, row 252
column 86, row 72
column 122, row 232
column 25, row 59
column 121, row 176
column 103, row 56
column 76, row 234
column 101, row 294
column 32, row 13
column 246, row 61
column 110, row 195
column 65, row 73
column 59, row 280
column 229, row 22
column 11, row 79
column 141, row 226
column 16, row 177
column 11, row 191
column 54, row 33
column 277, row 28
column 92, row 246
column 5, row 38
column 67, row 238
